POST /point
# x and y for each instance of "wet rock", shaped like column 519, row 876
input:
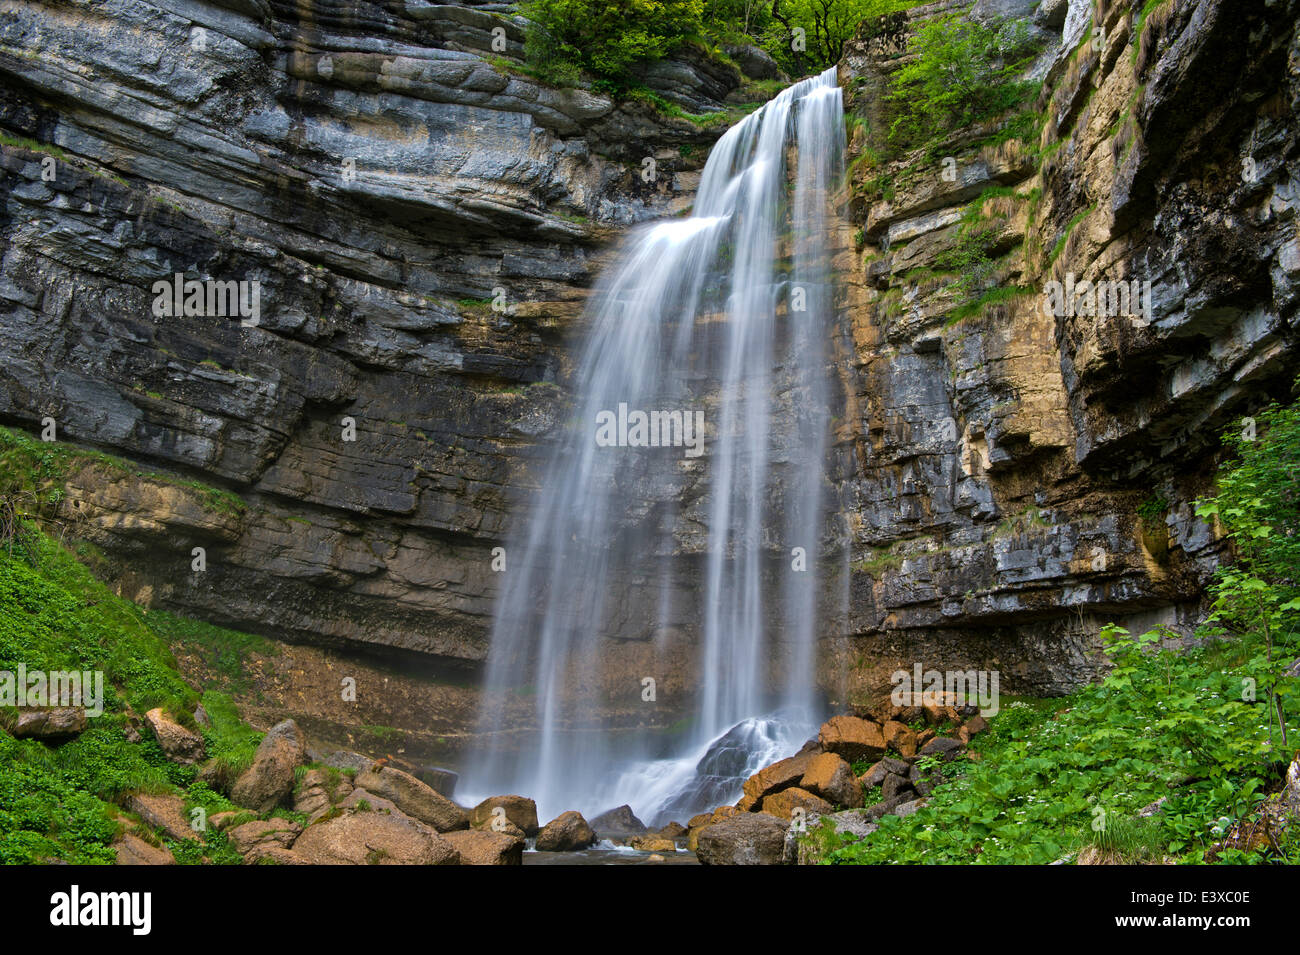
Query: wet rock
column 567, row 832
column 619, row 824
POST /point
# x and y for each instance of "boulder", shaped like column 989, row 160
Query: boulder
column 944, row 747
column 266, row 783
column 567, row 832
column 414, row 798
column 520, row 812
column 320, row 790
column 754, row 62
column 652, row 843
column 373, row 838
column 743, row 839
column 58, row 722
column 894, row 786
column 784, row 803
column 485, row 847
column 130, row 849
column 831, row 777
column 439, row 779
column 875, row 776
column 899, row 737
column 852, row 737
column 163, row 812
column 699, row 823
column 976, row 724
column 809, row 847
column 254, row 839
column 177, row 743
column 674, row 830
column 620, row 824
column 780, row 775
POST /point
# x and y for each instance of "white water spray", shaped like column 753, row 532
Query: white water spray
column 639, row 562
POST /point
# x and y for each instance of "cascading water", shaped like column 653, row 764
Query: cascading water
column 656, row 552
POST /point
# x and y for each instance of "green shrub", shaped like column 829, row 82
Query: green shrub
column 604, row 38
column 963, row 73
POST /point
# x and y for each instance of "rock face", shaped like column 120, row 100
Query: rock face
column 266, row 783
column 385, row 175
column 567, row 832
column 1020, row 476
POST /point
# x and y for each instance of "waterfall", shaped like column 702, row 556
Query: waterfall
column 676, row 533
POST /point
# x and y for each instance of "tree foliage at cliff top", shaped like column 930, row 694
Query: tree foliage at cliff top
column 605, row 38
column 610, row 40
column 963, row 73
column 1210, row 728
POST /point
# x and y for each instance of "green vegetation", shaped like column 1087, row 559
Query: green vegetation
column 31, row 471
column 964, row 74
column 606, row 39
column 609, row 41
column 1205, row 728
column 58, row 802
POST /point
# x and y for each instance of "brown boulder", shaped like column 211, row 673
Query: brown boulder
column 652, row 843
column 177, row 743
column 518, row 811
column 899, row 738
column 784, row 803
column 852, row 737
column 414, row 798
column 320, row 790
column 266, row 783
column 373, row 838
column 831, row 777
column 567, row 832
column 485, row 847
column 163, row 812
column 780, row 775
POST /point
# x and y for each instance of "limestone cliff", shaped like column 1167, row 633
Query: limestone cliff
column 1020, row 477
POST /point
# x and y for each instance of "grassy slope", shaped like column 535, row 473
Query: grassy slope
column 60, row 802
